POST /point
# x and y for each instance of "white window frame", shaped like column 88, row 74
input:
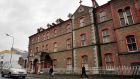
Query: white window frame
column 102, row 16
column 83, row 40
column 106, row 36
column 82, row 22
column 132, row 44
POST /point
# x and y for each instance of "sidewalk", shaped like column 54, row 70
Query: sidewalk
column 56, row 76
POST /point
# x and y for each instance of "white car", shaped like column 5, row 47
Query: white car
column 13, row 70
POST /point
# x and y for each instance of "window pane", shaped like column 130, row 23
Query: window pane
column 130, row 47
column 84, row 59
column 122, row 21
column 121, row 14
column 82, row 22
column 134, row 46
column 130, row 19
column 102, row 16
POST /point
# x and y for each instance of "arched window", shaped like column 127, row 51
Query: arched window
column 131, row 43
column 125, row 16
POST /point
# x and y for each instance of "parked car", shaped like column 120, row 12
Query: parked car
column 13, row 70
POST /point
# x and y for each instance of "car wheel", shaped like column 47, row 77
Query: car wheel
column 23, row 77
column 9, row 75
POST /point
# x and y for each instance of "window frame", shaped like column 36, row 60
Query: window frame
column 109, row 60
column 83, row 61
column 134, row 42
column 82, row 22
column 125, row 16
column 69, row 63
column 68, row 28
column 106, row 37
column 55, row 47
column 83, row 40
column 68, row 43
column 102, row 16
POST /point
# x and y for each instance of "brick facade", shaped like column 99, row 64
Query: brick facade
column 106, row 35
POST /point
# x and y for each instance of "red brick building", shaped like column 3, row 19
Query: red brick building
column 107, row 35
column 119, row 32
column 66, row 45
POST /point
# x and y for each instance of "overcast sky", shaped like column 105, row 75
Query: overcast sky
column 21, row 18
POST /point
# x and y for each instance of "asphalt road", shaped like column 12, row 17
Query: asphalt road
column 18, row 78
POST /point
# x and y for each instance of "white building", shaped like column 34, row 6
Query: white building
column 7, row 57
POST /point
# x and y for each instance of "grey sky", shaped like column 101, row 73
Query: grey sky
column 21, row 18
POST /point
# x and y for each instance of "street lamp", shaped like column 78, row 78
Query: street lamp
column 12, row 45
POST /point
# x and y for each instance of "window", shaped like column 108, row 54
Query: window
column 47, row 47
column 109, row 59
column 83, row 40
column 85, row 61
column 68, row 28
column 43, row 36
column 131, row 43
column 47, row 35
column 82, row 22
column 43, row 48
column 55, row 47
column 69, row 63
column 38, row 38
column 55, row 32
column 68, row 44
column 106, row 36
column 125, row 16
column 102, row 16
column 54, row 63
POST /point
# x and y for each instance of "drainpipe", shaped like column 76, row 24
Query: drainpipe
column 72, row 19
column 97, row 38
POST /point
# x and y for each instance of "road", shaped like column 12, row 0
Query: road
column 19, row 78
column 34, row 76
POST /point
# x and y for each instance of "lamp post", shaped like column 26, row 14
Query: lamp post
column 12, row 45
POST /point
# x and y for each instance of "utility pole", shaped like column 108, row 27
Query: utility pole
column 12, row 45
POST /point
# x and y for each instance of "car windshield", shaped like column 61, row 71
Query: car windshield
column 15, row 65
